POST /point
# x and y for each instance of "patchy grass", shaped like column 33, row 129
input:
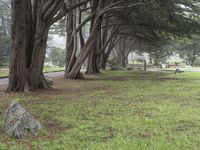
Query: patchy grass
column 5, row 72
column 52, row 69
column 113, row 111
column 193, row 69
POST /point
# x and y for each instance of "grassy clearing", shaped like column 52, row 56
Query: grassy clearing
column 52, row 69
column 182, row 69
column 5, row 72
column 113, row 111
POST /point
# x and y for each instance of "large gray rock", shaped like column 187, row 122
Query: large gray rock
column 19, row 122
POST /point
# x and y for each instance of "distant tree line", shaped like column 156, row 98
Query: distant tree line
column 5, row 23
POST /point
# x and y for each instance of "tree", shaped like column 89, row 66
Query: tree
column 189, row 49
column 146, row 21
column 176, row 19
column 5, row 22
column 123, row 48
column 56, row 56
column 31, row 23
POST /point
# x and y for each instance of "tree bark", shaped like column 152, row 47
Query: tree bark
column 123, row 61
column 70, row 38
column 145, row 65
column 90, row 44
column 29, row 38
column 92, row 67
column 20, row 44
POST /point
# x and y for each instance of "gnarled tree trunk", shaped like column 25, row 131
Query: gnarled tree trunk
column 88, row 47
column 29, row 38
column 70, row 39
column 20, row 43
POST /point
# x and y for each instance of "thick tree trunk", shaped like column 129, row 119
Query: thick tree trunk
column 29, row 38
column 72, row 40
column 93, row 59
column 92, row 67
column 103, row 64
column 20, row 44
column 69, row 40
column 36, row 76
column 123, row 61
column 105, row 59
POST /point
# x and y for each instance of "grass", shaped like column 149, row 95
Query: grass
column 183, row 69
column 123, row 110
column 52, row 69
column 5, row 72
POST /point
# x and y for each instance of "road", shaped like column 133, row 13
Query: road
column 60, row 74
column 51, row 75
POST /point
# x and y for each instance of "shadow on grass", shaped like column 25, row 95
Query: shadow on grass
column 133, row 75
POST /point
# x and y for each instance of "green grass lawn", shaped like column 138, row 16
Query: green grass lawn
column 5, row 72
column 123, row 110
column 182, row 69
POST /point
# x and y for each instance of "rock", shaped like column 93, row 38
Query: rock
column 49, row 81
column 178, row 71
column 19, row 122
column 130, row 68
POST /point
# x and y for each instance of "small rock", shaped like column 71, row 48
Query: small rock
column 19, row 122
column 49, row 81
column 178, row 71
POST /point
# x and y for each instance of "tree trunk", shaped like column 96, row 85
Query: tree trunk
column 92, row 67
column 20, row 44
column 88, row 47
column 36, row 76
column 123, row 61
column 103, row 61
column 145, row 65
column 70, row 39
column 71, row 42
column 29, row 38
column 105, row 58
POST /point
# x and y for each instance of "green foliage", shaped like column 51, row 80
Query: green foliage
column 189, row 50
column 4, row 49
column 59, row 27
column 5, row 22
column 57, row 56
column 157, row 24
column 114, row 64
